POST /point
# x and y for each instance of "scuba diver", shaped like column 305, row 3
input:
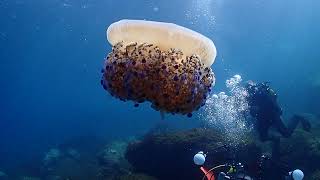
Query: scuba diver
column 265, row 109
column 237, row 171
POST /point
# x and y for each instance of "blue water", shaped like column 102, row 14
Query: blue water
column 52, row 51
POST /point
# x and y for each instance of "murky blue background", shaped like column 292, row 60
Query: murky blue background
column 51, row 53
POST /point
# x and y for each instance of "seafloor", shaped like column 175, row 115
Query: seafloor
column 163, row 154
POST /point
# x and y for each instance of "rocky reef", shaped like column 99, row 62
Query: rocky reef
column 134, row 177
column 86, row 160
column 170, row 155
column 165, row 153
column 302, row 151
column 111, row 160
column 68, row 163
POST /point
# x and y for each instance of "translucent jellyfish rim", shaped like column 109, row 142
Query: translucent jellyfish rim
column 165, row 36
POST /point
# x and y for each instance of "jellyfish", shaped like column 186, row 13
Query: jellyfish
column 163, row 63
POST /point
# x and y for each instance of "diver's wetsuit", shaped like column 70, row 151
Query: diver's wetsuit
column 264, row 107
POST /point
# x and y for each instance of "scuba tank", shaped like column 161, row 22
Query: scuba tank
column 235, row 172
column 262, row 99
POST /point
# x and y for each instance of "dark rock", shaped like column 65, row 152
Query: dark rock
column 302, row 151
column 170, row 155
column 111, row 160
column 73, row 159
column 315, row 175
column 135, row 177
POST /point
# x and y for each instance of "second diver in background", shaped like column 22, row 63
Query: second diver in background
column 265, row 109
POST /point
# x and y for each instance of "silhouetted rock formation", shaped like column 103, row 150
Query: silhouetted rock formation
column 170, row 155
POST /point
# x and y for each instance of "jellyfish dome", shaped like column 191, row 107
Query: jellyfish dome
column 163, row 63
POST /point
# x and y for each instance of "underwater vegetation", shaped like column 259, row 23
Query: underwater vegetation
column 148, row 67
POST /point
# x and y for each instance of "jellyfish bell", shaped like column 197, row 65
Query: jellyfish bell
column 163, row 35
column 163, row 63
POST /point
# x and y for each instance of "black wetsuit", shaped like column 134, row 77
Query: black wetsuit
column 265, row 109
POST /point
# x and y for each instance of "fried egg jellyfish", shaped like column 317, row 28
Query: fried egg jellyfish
column 163, row 63
column 228, row 112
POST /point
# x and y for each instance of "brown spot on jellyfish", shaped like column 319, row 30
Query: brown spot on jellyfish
column 163, row 63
